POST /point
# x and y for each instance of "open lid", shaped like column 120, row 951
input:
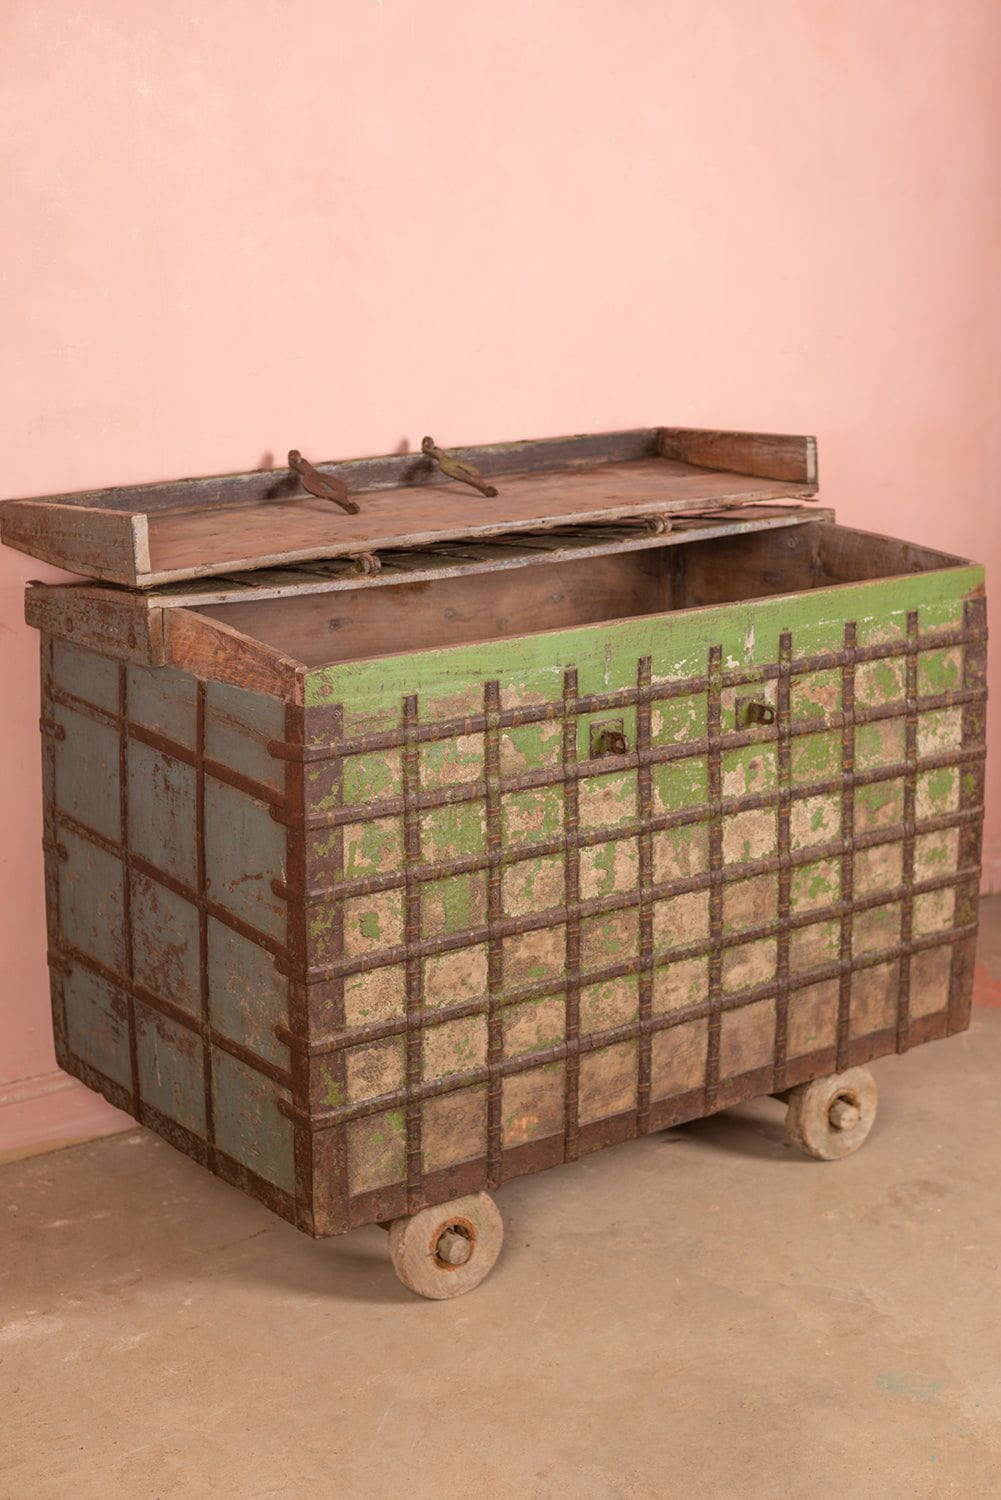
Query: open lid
column 147, row 535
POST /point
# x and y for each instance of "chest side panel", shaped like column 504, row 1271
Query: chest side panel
column 574, row 887
column 168, row 944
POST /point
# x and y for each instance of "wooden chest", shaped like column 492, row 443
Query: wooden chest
column 396, row 852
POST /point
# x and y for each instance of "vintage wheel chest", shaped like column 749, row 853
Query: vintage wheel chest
column 395, row 853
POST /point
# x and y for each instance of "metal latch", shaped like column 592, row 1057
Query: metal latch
column 456, row 468
column 752, row 711
column 323, row 486
column 608, row 738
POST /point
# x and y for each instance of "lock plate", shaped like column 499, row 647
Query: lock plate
column 608, row 737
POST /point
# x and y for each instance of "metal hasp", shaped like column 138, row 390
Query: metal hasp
column 323, row 486
column 752, row 711
column 456, row 469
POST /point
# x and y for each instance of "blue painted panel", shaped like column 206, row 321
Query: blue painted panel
column 247, row 995
column 87, row 784
column 164, row 699
column 162, row 811
column 244, row 852
column 92, row 901
column 248, row 1123
column 171, row 1073
column 97, row 1024
column 165, row 951
column 85, row 674
column 238, row 725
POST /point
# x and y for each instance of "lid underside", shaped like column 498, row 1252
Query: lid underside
column 151, row 535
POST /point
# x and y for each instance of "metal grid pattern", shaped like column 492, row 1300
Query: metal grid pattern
column 734, row 1062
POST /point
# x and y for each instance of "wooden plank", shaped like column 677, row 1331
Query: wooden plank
column 423, row 565
column 389, row 471
column 318, row 628
column 146, row 535
column 111, row 544
column 216, row 652
column 767, row 455
column 126, row 626
column 195, row 544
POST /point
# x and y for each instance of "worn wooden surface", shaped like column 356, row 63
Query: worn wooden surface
column 109, row 544
column 149, row 534
column 110, row 621
column 414, row 935
column 766, row 454
column 314, row 628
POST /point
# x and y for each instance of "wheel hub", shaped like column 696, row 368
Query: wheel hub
column 454, row 1248
column 844, row 1114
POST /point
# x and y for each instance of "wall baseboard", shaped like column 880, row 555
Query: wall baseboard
column 50, row 1111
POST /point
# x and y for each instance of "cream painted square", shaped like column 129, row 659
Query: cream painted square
column 814, row 820
column 533, row 1104
column 454, row 1128
column 934, row 911
column 940, row 731
column 878, row 868
column 534, row 1025
column 813, row 1018
column 677, row 985
column 936, row 853
column 534, row 885
column 680, row 852
column 750, row 903
column 375, row 995
column 814, row 946
column 450, row 978
column 609, row 868
column 749, row 964
column 874, row 999
column 876, row 929
column 678, row 1059
column 455, row 1046
column 749, row 835
column 534, row 956
column 375, row 1068
column 747, row 1038
column 931, row 973
column 680, row 921
column 609, row 939
column 613, row 1003
column 608, row 1081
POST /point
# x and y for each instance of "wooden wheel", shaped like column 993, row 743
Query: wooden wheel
column 447, row 1250
column 831, row 1117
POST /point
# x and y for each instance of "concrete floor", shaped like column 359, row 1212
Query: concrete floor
column 703, row 1313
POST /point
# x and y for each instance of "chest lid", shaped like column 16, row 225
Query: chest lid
column 144, row 536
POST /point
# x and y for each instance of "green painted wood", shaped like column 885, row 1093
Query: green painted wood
column 605, row 655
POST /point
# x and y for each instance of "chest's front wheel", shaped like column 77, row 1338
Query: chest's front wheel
column 447, row 1250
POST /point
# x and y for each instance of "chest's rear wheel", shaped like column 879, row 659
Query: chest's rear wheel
column 831, row 1117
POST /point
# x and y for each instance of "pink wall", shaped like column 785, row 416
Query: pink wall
column 239, row 227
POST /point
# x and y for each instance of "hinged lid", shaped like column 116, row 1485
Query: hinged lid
column 147, row 535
